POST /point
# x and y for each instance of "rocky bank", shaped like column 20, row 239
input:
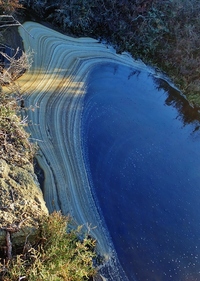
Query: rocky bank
column 21, row 203
column 21, row 200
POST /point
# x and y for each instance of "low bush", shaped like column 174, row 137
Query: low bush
column 63, row 253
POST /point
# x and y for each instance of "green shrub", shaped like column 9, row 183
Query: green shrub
column 60, row 255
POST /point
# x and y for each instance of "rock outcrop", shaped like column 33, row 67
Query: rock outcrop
column 21, row 203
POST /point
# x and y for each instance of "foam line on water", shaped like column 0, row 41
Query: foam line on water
column 55, row 87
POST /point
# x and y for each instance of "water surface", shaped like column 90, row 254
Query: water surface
column 142, row 149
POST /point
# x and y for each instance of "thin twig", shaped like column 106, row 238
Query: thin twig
column 15, row 23
column 8, row 25
column 23, row 277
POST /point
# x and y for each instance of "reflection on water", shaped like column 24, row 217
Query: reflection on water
column 186, row 112
column 142, row 148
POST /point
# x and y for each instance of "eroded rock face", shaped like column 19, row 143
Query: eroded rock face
column 21, row 203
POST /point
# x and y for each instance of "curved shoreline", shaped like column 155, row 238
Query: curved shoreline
column 56, row 85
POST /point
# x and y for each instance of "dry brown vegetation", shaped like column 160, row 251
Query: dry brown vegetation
column 14, row 144
column 9, row 6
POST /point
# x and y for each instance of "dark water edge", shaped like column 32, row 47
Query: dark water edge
column 141, row 144
column 40, row 173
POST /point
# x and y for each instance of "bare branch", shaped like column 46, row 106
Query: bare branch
column 8, row 25
column 9, row 21
column 15, row 67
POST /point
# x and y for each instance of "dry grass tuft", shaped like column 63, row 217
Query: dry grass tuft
column 60, row 255
column 9, row 6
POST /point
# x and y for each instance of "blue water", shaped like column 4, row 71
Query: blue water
column 142, row 146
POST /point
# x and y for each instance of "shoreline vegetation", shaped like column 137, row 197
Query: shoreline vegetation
column 163, row 34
